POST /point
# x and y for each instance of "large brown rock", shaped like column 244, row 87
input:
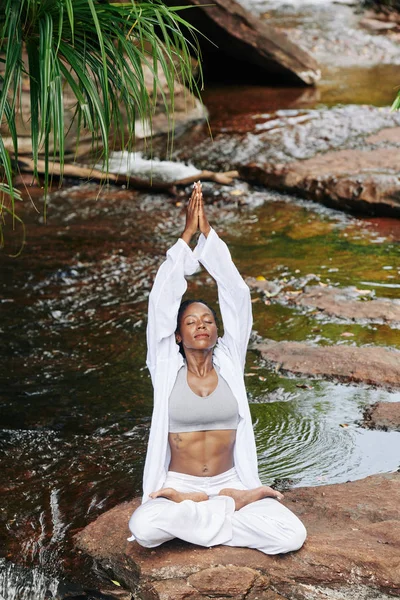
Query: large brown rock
column 383, row 415
column 365, row 181
column 353, row 540
column 235, row 42
column 373, row 365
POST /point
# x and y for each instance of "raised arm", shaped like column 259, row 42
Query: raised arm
column 168, row 288
column 233, row 293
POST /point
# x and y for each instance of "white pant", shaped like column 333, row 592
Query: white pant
column 265, row 525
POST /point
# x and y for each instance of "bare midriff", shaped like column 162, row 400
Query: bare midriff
column 202, row 453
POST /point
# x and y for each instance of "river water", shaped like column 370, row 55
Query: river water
column 75, row 397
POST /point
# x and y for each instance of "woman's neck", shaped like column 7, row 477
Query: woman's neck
column 199, row 362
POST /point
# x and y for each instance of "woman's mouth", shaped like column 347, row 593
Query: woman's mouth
column 201, row 335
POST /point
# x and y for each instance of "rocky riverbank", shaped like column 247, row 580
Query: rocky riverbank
column 344, row 157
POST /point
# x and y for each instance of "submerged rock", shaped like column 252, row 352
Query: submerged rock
column 345, row 303
column 353, row 540
column 383, row 415
column 373, row 365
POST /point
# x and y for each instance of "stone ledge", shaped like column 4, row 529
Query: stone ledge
column 372, row 365
column 353, row 540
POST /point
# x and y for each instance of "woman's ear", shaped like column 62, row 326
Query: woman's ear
column 178, row 338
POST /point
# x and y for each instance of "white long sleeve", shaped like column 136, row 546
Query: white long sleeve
column 164, row 300
column 233, row 293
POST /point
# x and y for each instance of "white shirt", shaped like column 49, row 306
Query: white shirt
column 164, row 359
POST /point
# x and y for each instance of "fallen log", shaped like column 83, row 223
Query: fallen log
column 80, row 172
column 237, row 45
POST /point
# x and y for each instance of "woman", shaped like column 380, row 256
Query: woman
column 200, row 479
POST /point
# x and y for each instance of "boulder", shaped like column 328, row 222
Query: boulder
column 383, row 415
column 373, row 365
column 353, row 544
column 238, row 44
column 362, row 181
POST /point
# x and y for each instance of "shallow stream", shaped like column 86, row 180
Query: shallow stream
column 75, row 397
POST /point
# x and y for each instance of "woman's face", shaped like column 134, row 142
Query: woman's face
column 197, row 328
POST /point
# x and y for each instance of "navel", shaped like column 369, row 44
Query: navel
column 205, row 469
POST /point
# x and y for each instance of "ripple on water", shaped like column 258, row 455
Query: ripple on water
column 51, row 483
column 316, row 438
column 17, row 583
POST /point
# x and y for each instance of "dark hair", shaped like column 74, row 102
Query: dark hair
column 182, row 308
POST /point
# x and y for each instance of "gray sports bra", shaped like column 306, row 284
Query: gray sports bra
column 190, row 412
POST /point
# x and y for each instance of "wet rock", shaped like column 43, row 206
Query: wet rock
column 363, row 181
column 269, row 288
column 372, row 365
column 346, row 303
column 349, row 303
column 245, row 47
column 353, row 540
column 383, row 415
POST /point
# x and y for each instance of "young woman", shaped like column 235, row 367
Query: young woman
column 200, row 479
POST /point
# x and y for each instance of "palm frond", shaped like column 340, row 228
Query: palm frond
column 98, row 48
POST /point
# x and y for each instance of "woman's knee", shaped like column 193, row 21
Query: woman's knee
column 296, row 537
column 141, row 524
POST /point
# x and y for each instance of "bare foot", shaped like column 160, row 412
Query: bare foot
column 175, row 496
column 244, row 497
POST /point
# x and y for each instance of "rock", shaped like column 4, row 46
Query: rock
column 229, row 581
column 364, row 181
column 235, row 42
column 353, row 540
column 383, row 415
column 373, row 365
column 349, row 303
column 345, row 303
column 345, row 157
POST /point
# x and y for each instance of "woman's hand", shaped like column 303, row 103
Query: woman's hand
column 192, row 216
column 195, row 215
column 204, row 225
